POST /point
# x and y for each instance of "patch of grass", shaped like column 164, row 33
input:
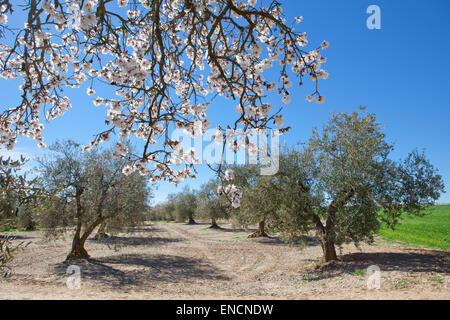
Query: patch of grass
column 435, row 279
column 358, row 272
column 307, row 277
column 274, row 232
column 430, row 231
column 164, row 221
column 402, row 284
column 405, row 283
column 9, row 229
column 239, row 238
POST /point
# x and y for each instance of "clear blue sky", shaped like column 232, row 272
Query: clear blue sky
column 399, row 72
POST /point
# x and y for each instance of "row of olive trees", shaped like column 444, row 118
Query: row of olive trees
column 90, row 191
column 19, row 196
column 76, row 191
column 341, row 182
column 179, row 207
column 188, row 205
column 16, row 193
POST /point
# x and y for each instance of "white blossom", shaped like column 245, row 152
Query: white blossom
column 279, row 120
column 320, row 99
column 229, row 175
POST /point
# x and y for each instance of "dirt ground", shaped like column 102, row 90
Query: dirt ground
column 179, row 261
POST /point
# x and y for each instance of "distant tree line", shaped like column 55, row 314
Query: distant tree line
column 341, row 183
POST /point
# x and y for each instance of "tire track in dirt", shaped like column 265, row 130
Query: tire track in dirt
column 246, row 258
column 197, row 262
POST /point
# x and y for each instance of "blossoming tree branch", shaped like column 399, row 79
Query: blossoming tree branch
column 165, row 61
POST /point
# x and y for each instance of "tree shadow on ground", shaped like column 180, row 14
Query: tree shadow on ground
column 223, row 229
column 141, row 269
column 194, row 224
column 274, row 240
column 411, row 260
column 145, row 229
column 134, row 241
column 14, row 237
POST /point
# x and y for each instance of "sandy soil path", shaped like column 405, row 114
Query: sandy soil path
column 179, row 261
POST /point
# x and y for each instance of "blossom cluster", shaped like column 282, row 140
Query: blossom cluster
column 164, row 61
column 231, row 191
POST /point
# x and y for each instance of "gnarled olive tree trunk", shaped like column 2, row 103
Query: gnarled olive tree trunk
column 260, row 232
column 101, row 232
column 328, row 249
column 327, row 232
column 191, row 219
column 214, row 224
column 78, row 251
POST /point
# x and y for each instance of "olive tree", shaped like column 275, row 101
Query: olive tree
column 160, row 212
column 164, row 210
column 11, row 185
column 19, row 197
column 6, row 253
column 346, row 185
column 185, row 205
column 258, row 204
column 92, row 190
column 211, row 205
column 121, row 200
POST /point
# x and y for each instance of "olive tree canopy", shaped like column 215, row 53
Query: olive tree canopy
column 210, row 204
column 342, row 182
column 92, row 191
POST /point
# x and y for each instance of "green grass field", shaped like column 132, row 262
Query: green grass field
column 431, row 231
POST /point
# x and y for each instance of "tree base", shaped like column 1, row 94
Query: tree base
column 329, row 260
column 324, row 266
column 258, row 234
column 214, row 226
column 101, row 236
column 191, row 222
column 329, row 252
column 77, row 254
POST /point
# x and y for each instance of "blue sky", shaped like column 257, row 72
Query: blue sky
column 399, row 72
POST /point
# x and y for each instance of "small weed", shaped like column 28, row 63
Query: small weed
column 307, row 278
column 402, row 284
column 274, row 232
column 9, row 229
column 435, row 279
column 358, row 272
